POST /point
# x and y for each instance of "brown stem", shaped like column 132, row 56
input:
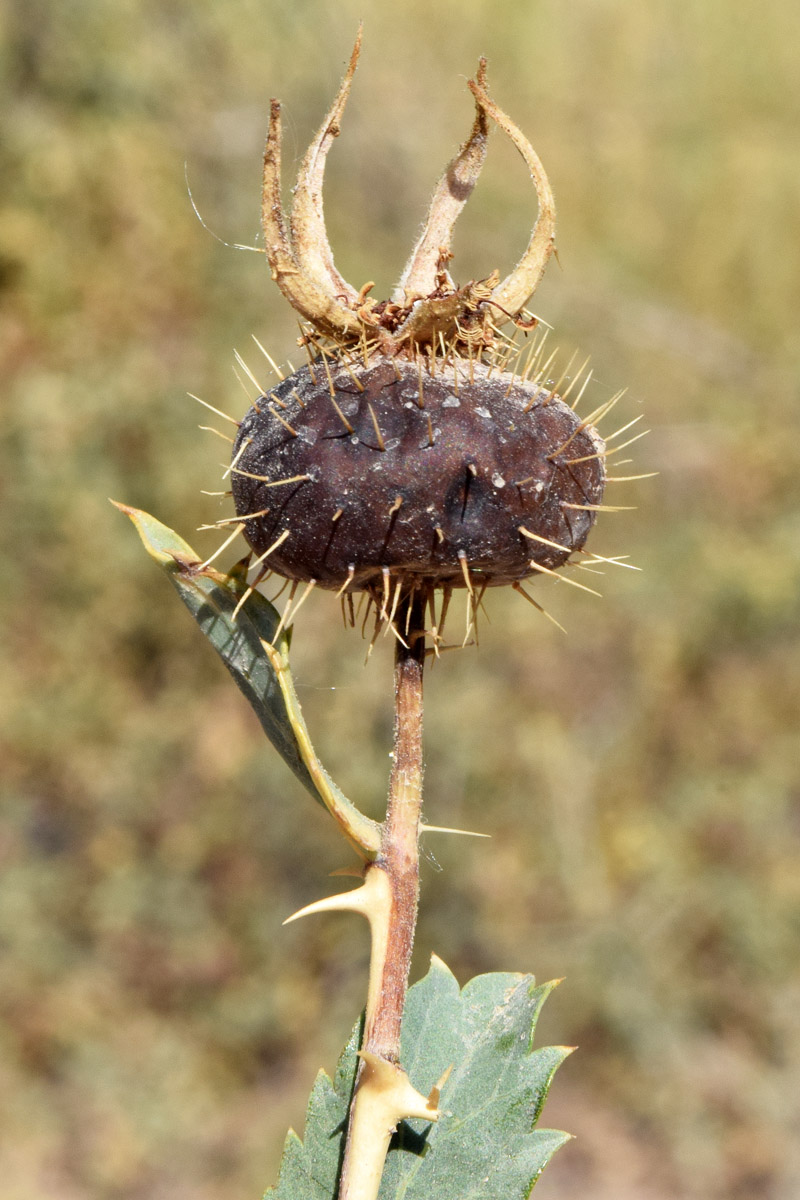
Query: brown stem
column 393, row 927
column 399, row 855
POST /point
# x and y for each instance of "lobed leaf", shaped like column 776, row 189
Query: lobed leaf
column 485, row 1144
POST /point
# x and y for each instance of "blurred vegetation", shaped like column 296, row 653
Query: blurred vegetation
column 640, row 778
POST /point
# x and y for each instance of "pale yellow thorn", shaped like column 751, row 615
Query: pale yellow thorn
column 584, row 386
column 372, row 900
column 431, row 435
column 231, row 520
column 624, row 445
column 265, row 479
column 278, row 542
column 595, row 416
column 614, row 562
column 341, row 415
column 599, row 507
column 602, row 409
column 624, row 428
column 563, row 578
column 211, row 429
column 535, row 537
column 462, row 558
column 389, row 1081
column 236, row 457
column 445, row 829
column 431, row 651
column 378, row 434
column 247, row 371
column 395, row 599
column 554, row 390
column 396, row 633
column 217, row 411
column 608, row 453
column 351, row 570
column 307, row 348
column 575, row 377
column 331, row 388
column 312, row 583
column 631, row 478
column 283, row 422
column 386, row 592
column 239, row 528
column 245, row 388
column 435, row 1093
column 358, row 901
column 352, row 375
column 245, row 596
column 544, row 370
column 534, row 355
column 538, row 379
column 517, row 586
column 283, row 622
column 269, row 359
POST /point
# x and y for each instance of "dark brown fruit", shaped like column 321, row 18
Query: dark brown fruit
column 416, row 472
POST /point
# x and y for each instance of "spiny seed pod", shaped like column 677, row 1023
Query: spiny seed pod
column 441, row 479
column 408, row 454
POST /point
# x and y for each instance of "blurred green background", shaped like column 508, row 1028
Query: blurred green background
column 640, row 778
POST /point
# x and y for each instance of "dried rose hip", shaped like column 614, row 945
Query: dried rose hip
column 436, row 477
column 409, row 455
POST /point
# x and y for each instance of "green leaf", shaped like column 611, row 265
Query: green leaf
column 258, row 662
column 485, row 1144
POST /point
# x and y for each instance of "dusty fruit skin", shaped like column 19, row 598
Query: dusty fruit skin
column 431, row 475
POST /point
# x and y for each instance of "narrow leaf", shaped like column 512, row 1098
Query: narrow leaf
column 485, row 1143
column 258, row 662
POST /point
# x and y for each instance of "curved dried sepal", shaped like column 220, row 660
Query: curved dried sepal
column 512, row 293
column 318, row 305
column 307, row 220
column 452, row 193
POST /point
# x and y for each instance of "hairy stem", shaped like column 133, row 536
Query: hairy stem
column 399, row 856
column 381, row 1088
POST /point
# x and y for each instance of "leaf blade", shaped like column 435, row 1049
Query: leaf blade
column 486, row 1143
column 257, row 661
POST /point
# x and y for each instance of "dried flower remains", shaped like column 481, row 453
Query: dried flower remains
column 421, row 448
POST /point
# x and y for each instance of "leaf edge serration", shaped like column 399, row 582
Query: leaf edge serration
column 309, row 1167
